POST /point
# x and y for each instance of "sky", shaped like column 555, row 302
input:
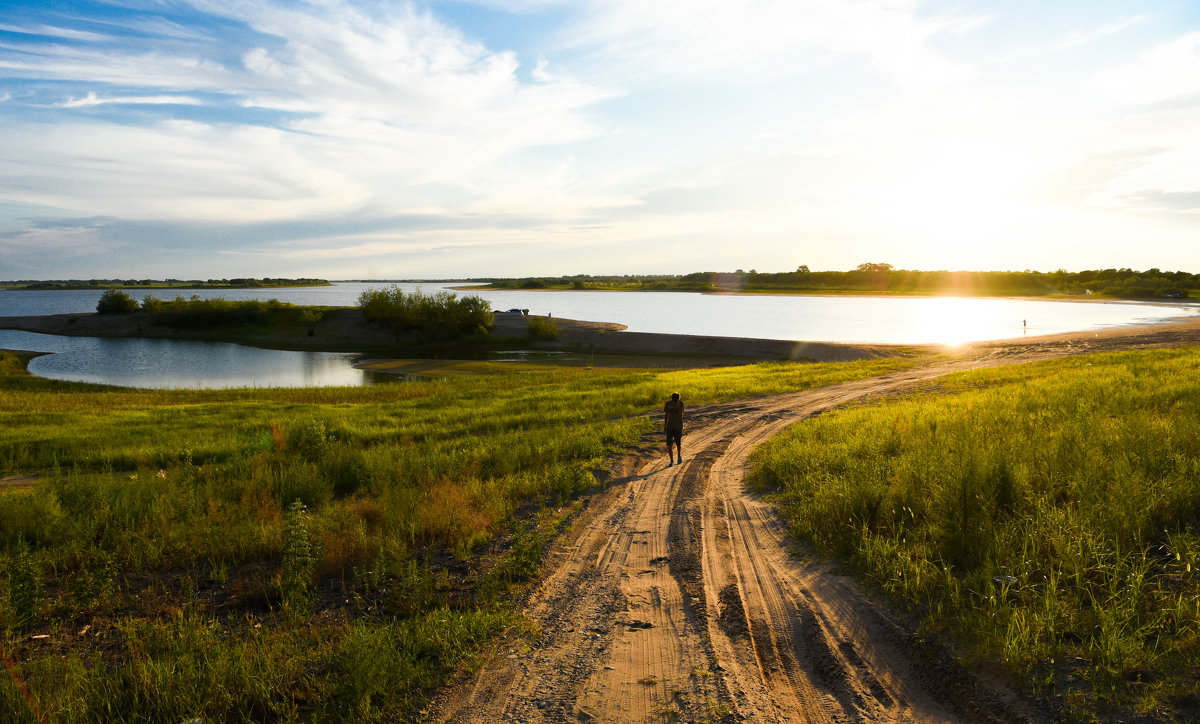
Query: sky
column 379, row 139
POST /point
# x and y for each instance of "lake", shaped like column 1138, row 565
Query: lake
column 841, row 319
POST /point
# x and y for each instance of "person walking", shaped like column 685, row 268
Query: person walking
column 673, row 424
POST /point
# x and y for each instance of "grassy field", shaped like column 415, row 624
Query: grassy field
column 1047, row 515
column 283, row 554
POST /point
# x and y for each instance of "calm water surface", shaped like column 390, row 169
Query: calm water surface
column 870, row 320
column 843, row 319
column 168, row 364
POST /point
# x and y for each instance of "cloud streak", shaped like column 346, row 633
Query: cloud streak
column 91, row 99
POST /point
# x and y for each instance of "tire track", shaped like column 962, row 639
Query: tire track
column 683, row 598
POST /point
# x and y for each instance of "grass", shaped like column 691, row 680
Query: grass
column 1047, row 515
column 285, row 554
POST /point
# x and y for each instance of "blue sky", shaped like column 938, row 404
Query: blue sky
column 377, row 139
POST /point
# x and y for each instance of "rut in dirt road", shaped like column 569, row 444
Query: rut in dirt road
column 681, row 597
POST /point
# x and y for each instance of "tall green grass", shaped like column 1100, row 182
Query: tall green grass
column 279, row 554
column 1047, row 514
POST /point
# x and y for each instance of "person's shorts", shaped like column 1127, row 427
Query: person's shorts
column 674, row 435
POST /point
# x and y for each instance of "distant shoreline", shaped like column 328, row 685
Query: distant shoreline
column 102, row 285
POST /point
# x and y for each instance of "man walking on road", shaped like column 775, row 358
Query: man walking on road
column 673, row 423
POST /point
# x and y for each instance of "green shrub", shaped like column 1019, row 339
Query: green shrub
column 311, row 441
column 115, row 301
column 198, row 312
column 299, row 559
column 542, row 328
column 440, row 315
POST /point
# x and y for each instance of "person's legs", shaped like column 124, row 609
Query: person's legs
column 672, row 436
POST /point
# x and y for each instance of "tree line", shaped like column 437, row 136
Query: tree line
column 884, row 278
column 237, row 283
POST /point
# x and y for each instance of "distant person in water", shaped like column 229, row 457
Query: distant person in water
column 673, row 423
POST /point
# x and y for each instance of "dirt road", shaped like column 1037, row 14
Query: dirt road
column 682, row 596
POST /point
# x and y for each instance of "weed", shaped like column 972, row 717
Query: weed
column 25, row 585
column 299, row 559
column 312, row 441
column 717, row 711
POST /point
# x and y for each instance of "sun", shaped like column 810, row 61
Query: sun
column 952, row 321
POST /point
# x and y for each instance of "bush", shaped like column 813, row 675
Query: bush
column 115, row 301
column 152, row 304
column 198, row 312
column 542, row 328
column 438, row 315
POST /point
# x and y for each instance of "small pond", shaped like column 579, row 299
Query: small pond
column 163, row 364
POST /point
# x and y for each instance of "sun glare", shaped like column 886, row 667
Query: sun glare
column 955, row 206
column 949, row 320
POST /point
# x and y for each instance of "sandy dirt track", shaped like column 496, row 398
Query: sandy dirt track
column 680, row 597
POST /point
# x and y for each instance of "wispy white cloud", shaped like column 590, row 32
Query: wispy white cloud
column 91, row 99
column 763, row 40
column 1092, row 175
column 50, row 31
column 157, row 69
column 1073, row 39
column 1169, row 70
column 380, row 108
column 1082, row 37
column 1173, row 200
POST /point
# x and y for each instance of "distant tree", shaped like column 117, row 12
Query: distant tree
column 115, row 301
